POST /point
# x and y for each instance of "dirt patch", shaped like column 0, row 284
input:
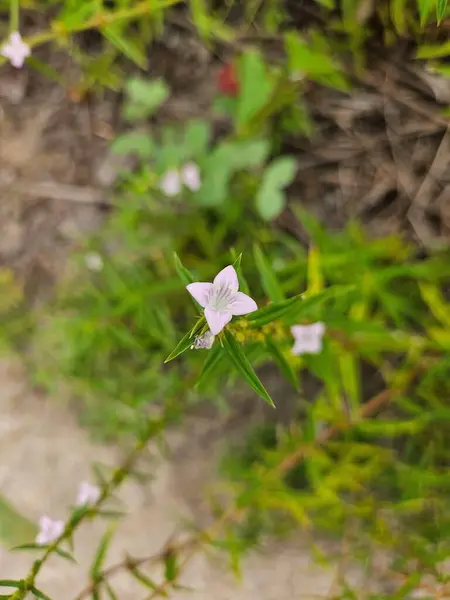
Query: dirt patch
column 43, row 457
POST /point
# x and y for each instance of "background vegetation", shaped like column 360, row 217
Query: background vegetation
column 358, row 447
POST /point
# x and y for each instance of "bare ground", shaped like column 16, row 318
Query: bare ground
column 43, row 457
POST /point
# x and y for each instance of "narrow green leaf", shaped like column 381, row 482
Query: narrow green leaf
column 111, row 593
column 11, row 583
column 170, row 566
column 433, row 51
column 243, row 285
column 441, row 8
column 214, row 357
column 101, row 553
column 273, row 311
column 137, row 574
column 296, row 307
column 237, row 262
column 186, row 342
column 243, row 366
column 126, row 46
column 436, row 302
column 269, row 279
column 184, row 274
column 315, row 276
column 41, row 547
column 39, row 594
column 283, row 364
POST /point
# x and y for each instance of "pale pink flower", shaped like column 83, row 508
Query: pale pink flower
column 15, row 50
column 49, row 530
column 308, row 338
column 88, row 494
column 170, row 183
column 190, row 175
column 221, row 299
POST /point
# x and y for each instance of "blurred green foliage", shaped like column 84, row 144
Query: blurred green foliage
column 365, row 444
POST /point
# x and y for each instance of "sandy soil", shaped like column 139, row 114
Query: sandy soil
column 44, row 455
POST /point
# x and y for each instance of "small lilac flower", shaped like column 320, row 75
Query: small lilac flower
column 170, row 183
column 308, row 338
column 88, row 494
column 15, row 50
column 190, row 175
column 49, row 530
column 221, row 299
column 203, row 342
column 93, row 261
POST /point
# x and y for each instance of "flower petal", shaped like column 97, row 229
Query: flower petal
column 190, row 175
column 241, row 304
column 217, row 320
column 228, row 277
column 200, row 291
column 170, row 183
column 44, row 523
column 319, row 328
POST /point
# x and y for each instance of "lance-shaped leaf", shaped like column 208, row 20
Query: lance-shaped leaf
column 282, row 362
column 242, row 365
column 269, row 279
column 186, row 342
column 99, row 559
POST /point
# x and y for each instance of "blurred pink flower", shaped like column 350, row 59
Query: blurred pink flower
column 49, row 530
column 308, row 338
column 88, row 494
column 172, row 180
column 190, row 175
column 221, row 299
column 170, row 183
column 15, row 50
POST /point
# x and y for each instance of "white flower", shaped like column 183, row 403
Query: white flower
column 49, row 530
column 93, row 261
column 173, row 179
column 190, row 176
column 15, row 50
column 88, row 494
column 221, row 299
column 170, row 183
column 308, row 338
column 203, row 342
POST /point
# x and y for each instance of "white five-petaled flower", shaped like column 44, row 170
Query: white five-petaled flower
column 308, row 338
column 15, row 50
column 49, row 530
column 173, row 179
column 88, row 494
column 221, row 299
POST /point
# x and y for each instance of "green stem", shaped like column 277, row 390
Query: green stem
column 14, row 15
column 59, row 29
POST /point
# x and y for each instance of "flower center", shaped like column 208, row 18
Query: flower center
column 220, row 298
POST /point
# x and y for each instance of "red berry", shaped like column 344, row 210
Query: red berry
column 228, row 83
